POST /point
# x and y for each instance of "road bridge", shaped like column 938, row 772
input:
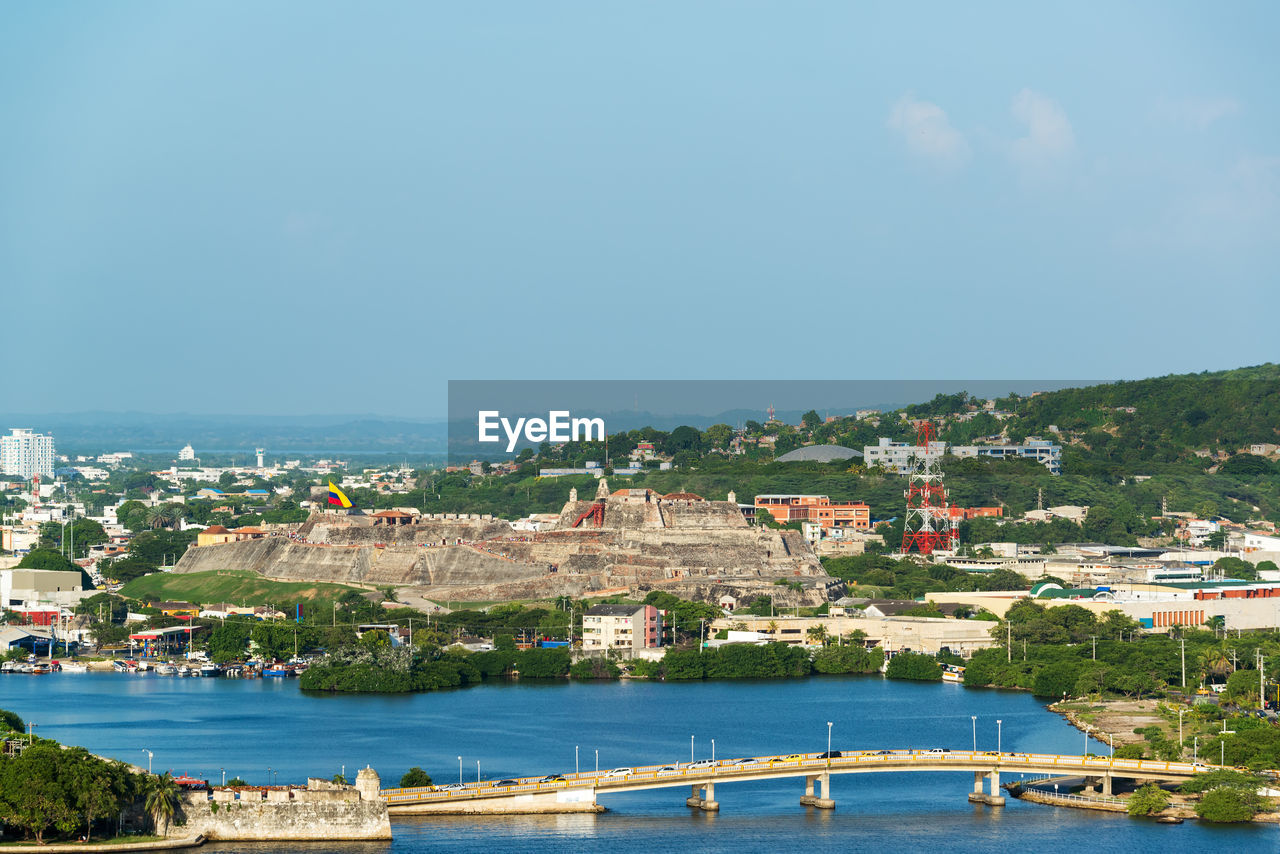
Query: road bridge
column 580, row 792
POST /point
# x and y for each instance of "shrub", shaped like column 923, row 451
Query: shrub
column 914, row 665
column 594, row 668
column 1226, row 804
column 415, row 778
column 1130, row 751
column 1148, row 800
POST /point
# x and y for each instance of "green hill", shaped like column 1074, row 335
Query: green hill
column 237, row 588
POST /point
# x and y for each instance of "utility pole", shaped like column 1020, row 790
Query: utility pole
column 1094, row 638
column 1008, row 643
column 1183, row 642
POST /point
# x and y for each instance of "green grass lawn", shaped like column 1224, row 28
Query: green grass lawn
column 239, row 587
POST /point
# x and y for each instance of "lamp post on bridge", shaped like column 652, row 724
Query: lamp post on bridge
column 690, row 749
column 828, row 742
column 974, row 718
column 713, row 750
column 575, row 760
column 459, row 770
column 999, row 737
column 477, row 772
column 597, row 760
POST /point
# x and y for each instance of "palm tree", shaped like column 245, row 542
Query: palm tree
column 161, row 799
column 772, row 627
column 817, row 633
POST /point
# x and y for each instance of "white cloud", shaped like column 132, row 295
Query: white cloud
column 1049, row 141
column 927, row 132
column 1195, row 113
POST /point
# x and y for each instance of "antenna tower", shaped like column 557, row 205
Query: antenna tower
column 929, row 526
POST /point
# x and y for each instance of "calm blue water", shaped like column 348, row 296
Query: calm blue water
column 202, row 726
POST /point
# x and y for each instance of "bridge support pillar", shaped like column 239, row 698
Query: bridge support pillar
column 808, row 797
column 1106, row 785
column 995, row 799
column 709, row 803
column 825, row 802
column 978, row 796
column 695, row 797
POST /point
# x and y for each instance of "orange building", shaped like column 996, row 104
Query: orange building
column 961, row 513
column 816, row 508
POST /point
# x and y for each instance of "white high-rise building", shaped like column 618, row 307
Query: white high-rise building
column 24, row 453
column 187, row 453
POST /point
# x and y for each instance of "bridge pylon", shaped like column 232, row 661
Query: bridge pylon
column 978, row 796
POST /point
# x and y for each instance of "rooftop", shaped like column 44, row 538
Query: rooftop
column 819, row 454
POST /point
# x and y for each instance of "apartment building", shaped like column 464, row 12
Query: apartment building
column 629, row 627
column 818, row 509
column 24, row 453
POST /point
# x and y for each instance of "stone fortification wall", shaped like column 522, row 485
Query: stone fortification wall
column 414, row 566
column 645, row 542
column 358, row 531
column 299, row 815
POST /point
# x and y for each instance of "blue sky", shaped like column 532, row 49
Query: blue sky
column 302, row 207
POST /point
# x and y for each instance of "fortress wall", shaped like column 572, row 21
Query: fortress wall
column 279, row 820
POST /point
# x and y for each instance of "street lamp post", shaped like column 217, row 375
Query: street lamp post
column 597, row 760
column 575, row 760
column 224, row 775
column 828, row 742
column 1195, row 751
column 974, row 718
column 1085, row 752
column 999, row 738
column 477, row 771
column 691, row 748
column 1181, row 712
column 149, row 755
column 459, row 770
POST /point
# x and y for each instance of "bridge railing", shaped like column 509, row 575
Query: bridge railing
column 850, row 760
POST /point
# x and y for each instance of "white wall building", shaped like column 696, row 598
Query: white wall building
column 25, row 453
column 897, row 456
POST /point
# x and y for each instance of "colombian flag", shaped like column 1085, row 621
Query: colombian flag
column 337, row 497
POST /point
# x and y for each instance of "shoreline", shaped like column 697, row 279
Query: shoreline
column 174, row 844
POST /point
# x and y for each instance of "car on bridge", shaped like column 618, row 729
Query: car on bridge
column 702, row 763
column 506, row 783
column 668, row 769
column 450, row 787
column 830, row 754
column 621, row 772
column 552, row 778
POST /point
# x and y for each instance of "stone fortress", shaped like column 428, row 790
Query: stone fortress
column 628, row 541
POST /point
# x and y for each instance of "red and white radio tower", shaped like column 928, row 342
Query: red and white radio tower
column 929, row 526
